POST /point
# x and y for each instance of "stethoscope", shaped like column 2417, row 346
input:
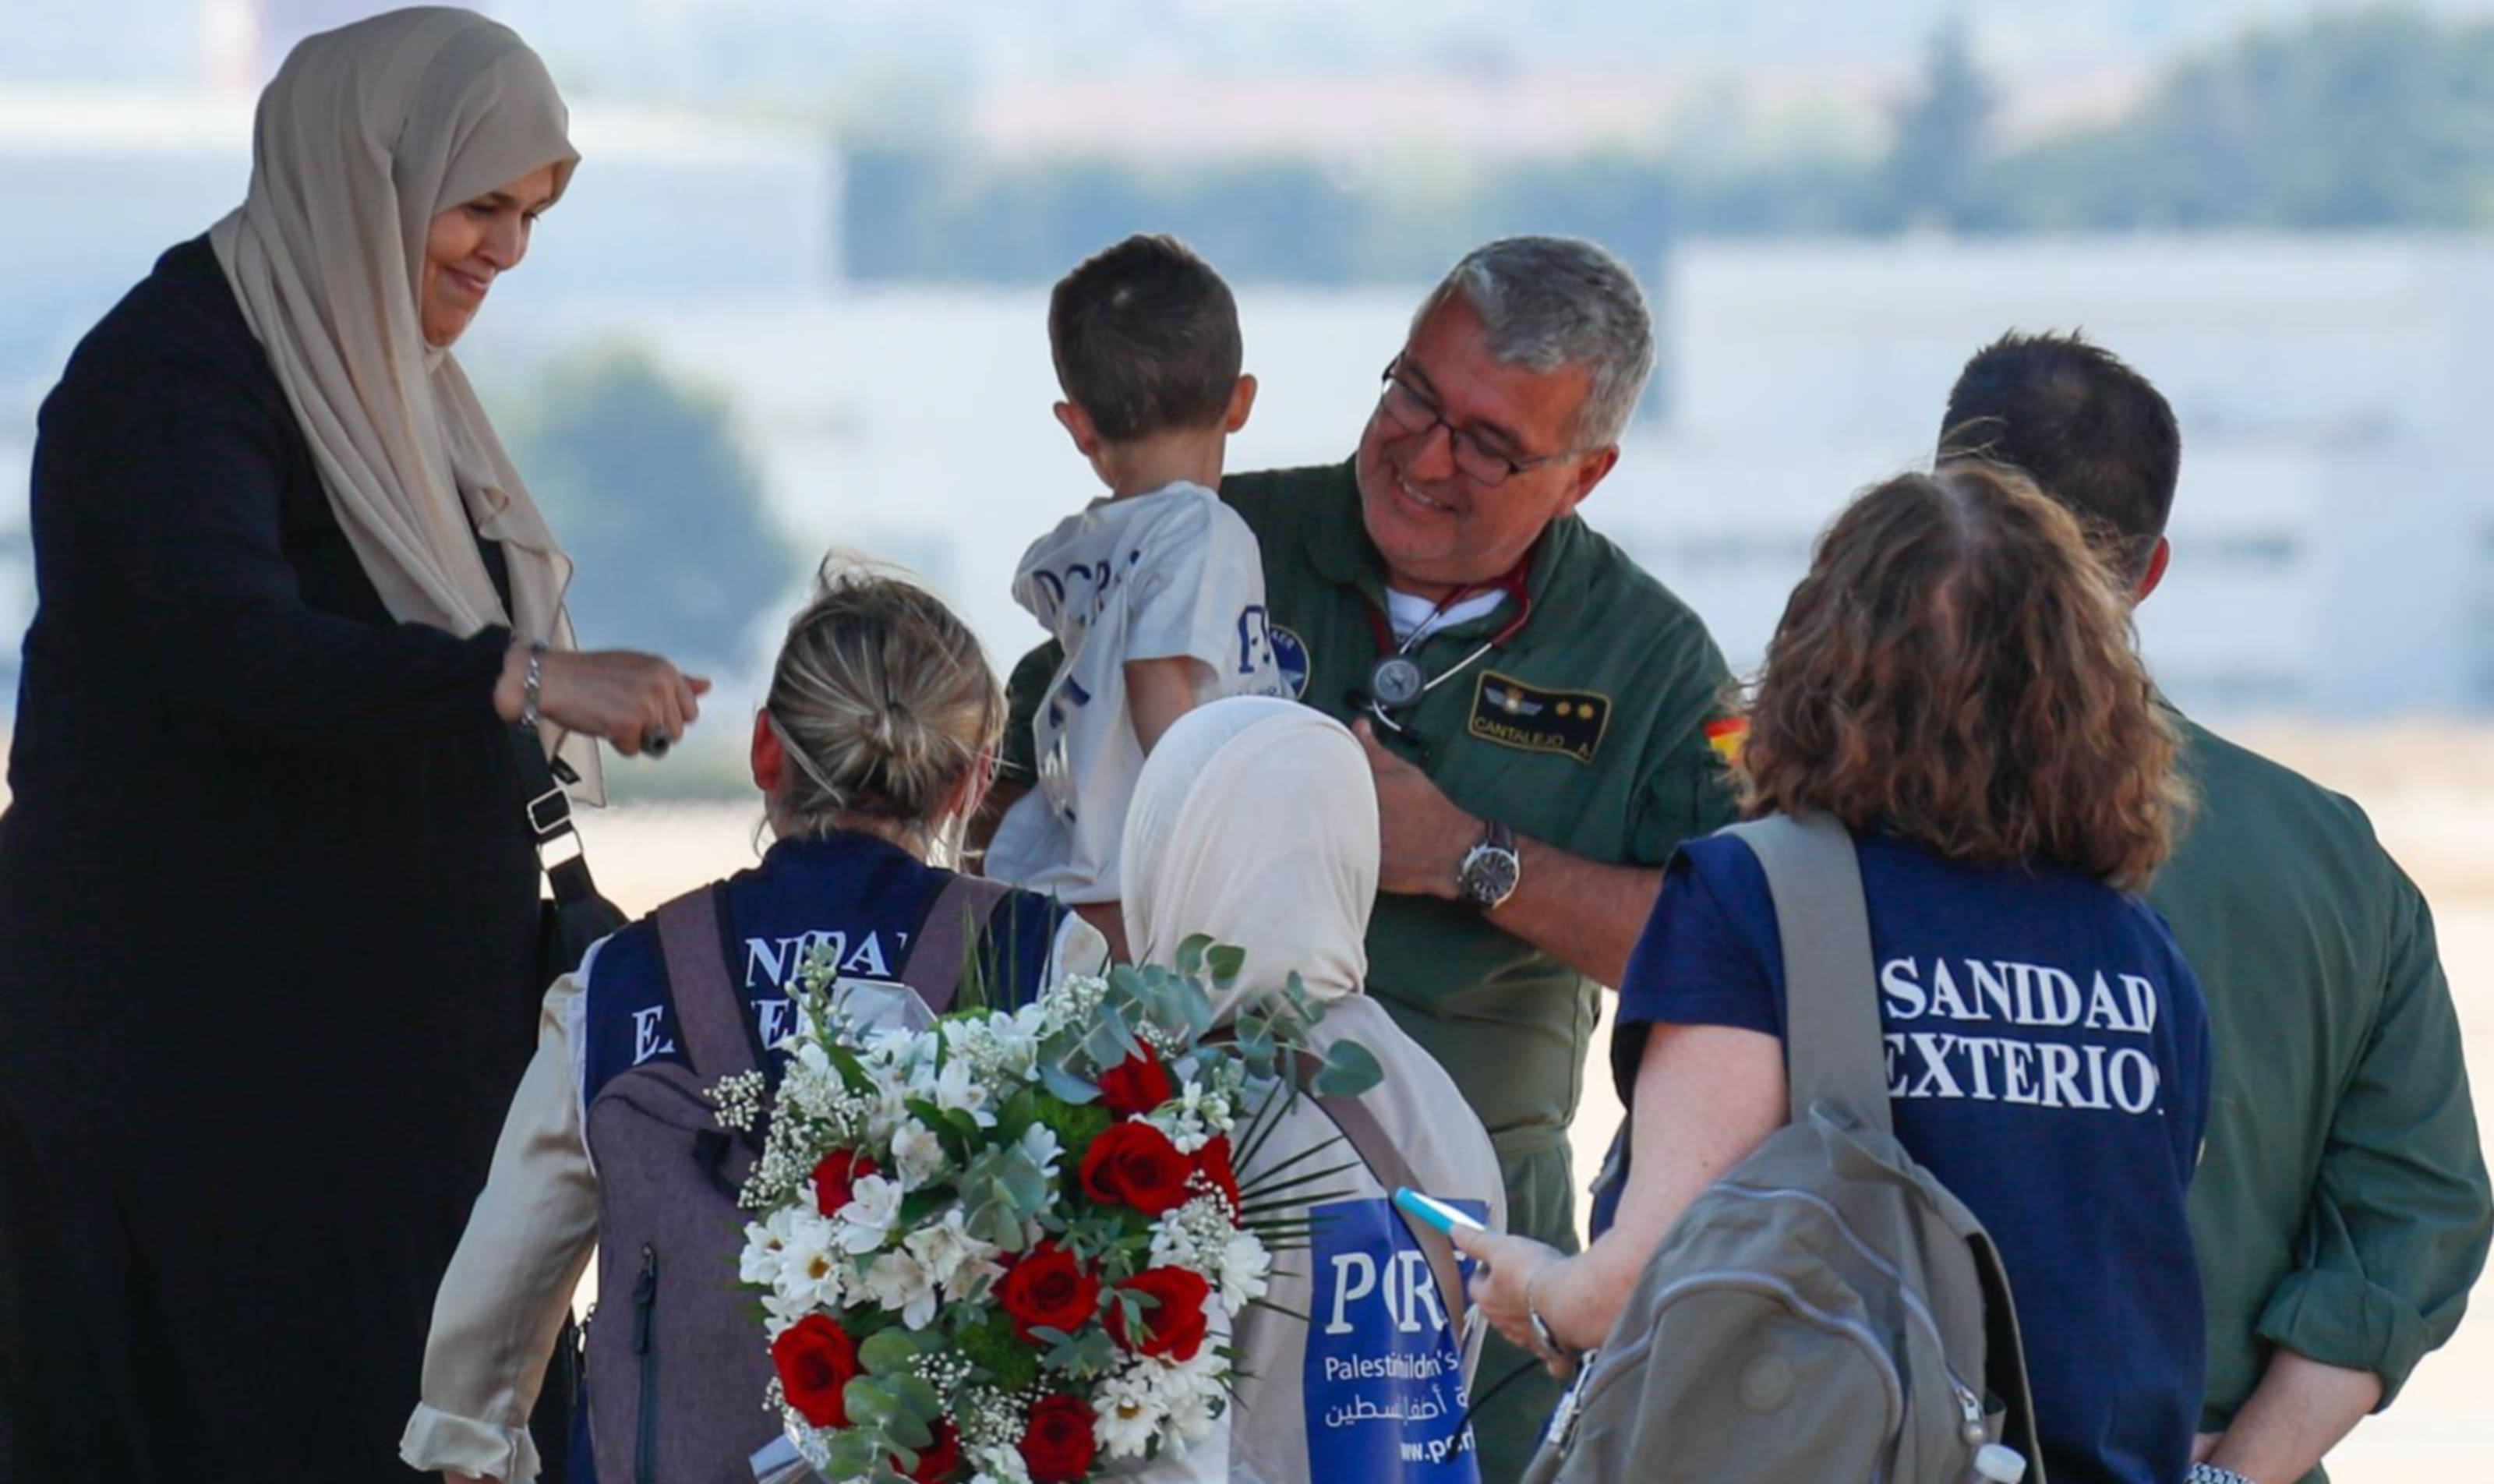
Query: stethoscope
column 1396, row 681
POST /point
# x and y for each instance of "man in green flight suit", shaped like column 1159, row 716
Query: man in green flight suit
column 1537, row 707
column 2341, row 1207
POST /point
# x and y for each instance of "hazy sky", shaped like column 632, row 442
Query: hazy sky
column 784, row 50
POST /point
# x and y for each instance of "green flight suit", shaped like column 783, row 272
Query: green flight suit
column 2341, row 1207
column 1584, row 730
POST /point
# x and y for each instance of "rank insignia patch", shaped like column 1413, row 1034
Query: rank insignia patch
column 1513, row 714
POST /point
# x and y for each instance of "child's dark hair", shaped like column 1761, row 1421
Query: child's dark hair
column 1146, row 338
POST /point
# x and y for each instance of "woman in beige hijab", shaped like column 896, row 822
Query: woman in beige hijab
column 268, row 895
column 1255, row 821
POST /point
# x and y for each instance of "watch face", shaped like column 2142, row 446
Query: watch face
column 1489, row 874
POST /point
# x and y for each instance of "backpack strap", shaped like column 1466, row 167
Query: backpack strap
column 960, row 913
column 718, row 1033
column 1368, row 1139
column 1833, row 1050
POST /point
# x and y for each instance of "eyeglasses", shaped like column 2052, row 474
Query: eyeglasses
column 1411, row 411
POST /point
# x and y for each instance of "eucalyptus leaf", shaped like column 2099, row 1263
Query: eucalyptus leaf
column 1189, row 958
column 1350, row 1070
column 890, row 1351
column 1065, row 1086
column 917, row 1398
column 871, row 1402
column 1225, row 960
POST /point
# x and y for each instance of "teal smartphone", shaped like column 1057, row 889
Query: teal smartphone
column 1435, row 1213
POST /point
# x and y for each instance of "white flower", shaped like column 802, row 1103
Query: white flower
column 953, row 1258
column 765, row 1243
column 900, row 1283
column 1245, row 1265
column 999, row 1466
column 1191, row 1393
column 810, row 1273
column 864, row 1224
column 918, row 1152
column 1129, row 1412
column 958, row 1089
column 1041, row 1146
column 778, row 1315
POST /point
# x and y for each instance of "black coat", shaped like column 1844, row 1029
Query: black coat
column 267, row 936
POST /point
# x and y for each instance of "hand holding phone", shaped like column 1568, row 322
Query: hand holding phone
column 1434, row 1212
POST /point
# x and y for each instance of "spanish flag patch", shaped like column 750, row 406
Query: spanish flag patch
column 1726, row 735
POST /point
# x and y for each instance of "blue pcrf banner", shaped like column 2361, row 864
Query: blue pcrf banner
column 1384, row 1376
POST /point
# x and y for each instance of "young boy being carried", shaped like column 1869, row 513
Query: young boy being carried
column 1156, row 593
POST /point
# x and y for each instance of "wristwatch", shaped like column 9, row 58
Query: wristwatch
column 1490, row 869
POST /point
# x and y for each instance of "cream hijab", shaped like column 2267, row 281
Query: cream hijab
column 368, row 132
column 1255, row 821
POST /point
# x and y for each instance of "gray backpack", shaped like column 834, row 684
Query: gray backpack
column 1826, row 1311
column 677, row 1366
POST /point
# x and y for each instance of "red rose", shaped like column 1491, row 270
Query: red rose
column 1173, row 1325
column 1059, row 1445
column 940, row 1459
column 816, row 1358
column 1138, row 1084
column 1045, row 1288
column 1135, row 1163
column 1212, row 1161
column 835, row 1179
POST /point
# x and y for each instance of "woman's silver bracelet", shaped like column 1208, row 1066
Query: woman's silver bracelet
column 2210, row 1474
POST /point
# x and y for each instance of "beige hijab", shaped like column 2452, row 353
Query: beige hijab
column 368, row 132
column 1255, row 821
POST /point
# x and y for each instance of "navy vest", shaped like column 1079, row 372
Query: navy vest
column 861, row 897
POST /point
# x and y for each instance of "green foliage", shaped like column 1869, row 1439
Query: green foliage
column 2357, row 121
column 2375, row 119
column 992, row 1344
column 1929, row 175
column 653, row 492
column 1077, row 1125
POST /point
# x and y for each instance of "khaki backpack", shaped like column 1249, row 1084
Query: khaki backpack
column 1827, row 1311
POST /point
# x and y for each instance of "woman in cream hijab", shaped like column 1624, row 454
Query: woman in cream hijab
column 268, row 894
column 1255, row 821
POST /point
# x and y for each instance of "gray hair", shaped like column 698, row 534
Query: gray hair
column 1551, row 302
column 884, row 703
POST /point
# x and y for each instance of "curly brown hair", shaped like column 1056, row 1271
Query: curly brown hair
column 1958, row 668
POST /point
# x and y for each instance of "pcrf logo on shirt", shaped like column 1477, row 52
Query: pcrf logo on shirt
column 1382, row 1381
column 2099, row 1055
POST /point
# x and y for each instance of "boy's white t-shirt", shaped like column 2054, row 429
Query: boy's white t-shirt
column 1159, row 576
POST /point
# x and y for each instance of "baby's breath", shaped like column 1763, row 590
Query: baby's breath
column 738, row 1098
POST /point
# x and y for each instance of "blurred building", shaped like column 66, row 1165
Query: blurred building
column 2334, row 531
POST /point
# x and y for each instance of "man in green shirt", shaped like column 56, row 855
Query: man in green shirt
column 1536, row 707
column 2341, row 1207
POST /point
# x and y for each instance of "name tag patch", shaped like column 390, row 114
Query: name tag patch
column 1507, row 712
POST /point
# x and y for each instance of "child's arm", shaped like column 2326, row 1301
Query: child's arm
column 1159, row 692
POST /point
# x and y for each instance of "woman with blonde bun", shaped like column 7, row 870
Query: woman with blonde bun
column 873, row 749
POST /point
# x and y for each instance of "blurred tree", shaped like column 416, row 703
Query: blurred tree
column 2379, row 119
column 1943, row 133
column 647, row 484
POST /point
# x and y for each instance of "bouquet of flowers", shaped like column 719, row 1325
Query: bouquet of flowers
column 1008, row 1248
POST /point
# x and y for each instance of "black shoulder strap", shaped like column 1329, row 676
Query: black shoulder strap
column 550, row 826
column 952, row 927
column 1832, row 1047
column 710, row 1015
